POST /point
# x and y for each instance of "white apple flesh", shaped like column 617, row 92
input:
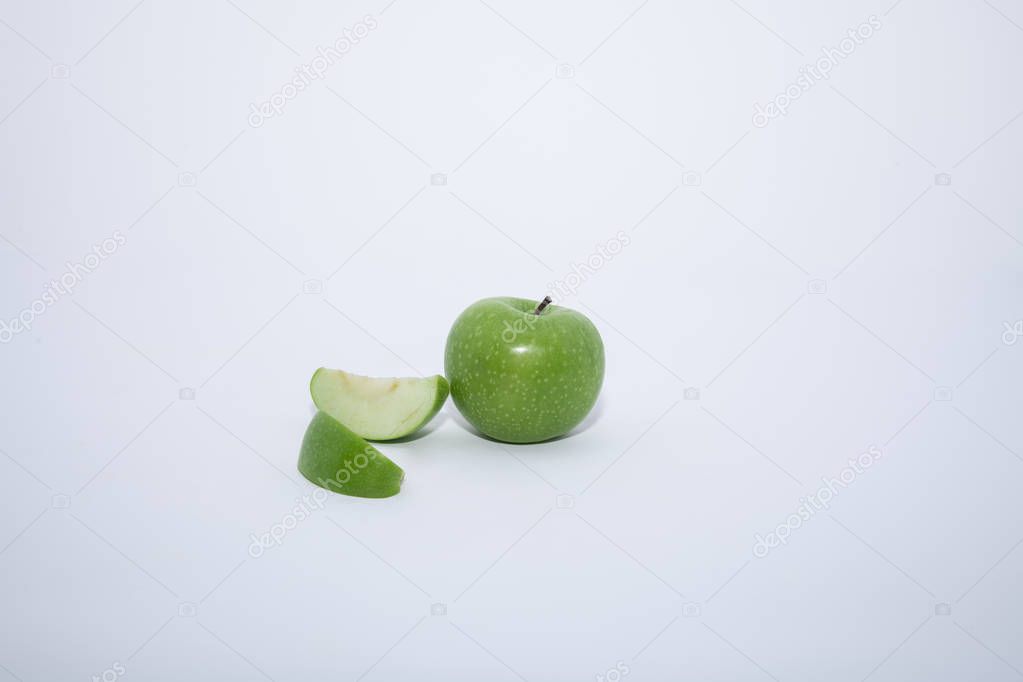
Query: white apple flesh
column 378, row 408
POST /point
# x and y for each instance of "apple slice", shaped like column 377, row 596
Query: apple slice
column 378, row 408
column 338, row 460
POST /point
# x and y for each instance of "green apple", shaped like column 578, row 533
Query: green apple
column 335, row 458
column 522, row 372
column 377, row 408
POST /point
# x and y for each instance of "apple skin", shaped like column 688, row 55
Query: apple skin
column 519, row 377
column 338, row 460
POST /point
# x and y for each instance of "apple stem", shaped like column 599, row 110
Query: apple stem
column 543, row 304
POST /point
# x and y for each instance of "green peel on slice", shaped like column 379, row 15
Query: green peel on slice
column 338, row 460
column 378, row 408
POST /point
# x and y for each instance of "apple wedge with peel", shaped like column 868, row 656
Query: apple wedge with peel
column 378, row 408
column 338, row 460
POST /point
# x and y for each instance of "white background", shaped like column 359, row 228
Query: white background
column 791, row 296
